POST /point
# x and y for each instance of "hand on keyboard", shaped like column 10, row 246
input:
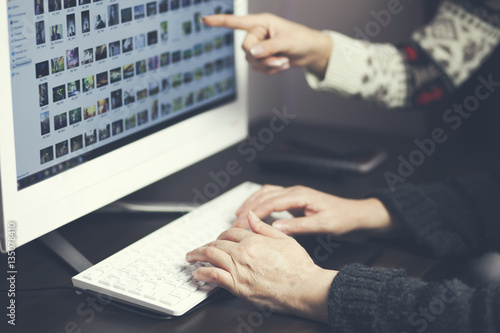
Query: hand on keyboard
column 266, row 267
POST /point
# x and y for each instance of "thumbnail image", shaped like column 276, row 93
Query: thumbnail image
column 75, row 116
column 89, row 112
column 154, row 88
column 177, row 104
column 176, row 57
column 152, row 37
column 100, row 22
column 85, row 2
column 187, row 28
column 128, row 97
column 142, row 94
column 54, row 5
column 189, row 100
column 57, row 65
column 209, row 46
column 152, row 8
column 88, row 84
column 56, row 32
column 218, row 43
column 74, row 89
column 60, row 121
column 76, row 143
column 113, row 16
column 198, row 50
column 188, row 77
column 174, row 4
column 71, row 25
column 141, row 67
column 39, row 8
column 130, row 122
column 72, row 58
column 142, row 117
column 42, row 69
column 139, row 12
column 128, row 71
column 229, row 39
column 90, row 138
column 165, row 59
column 154, row 110
column 105, row 132
column 40, row 32
column 69, row 4
column 115, row 75
column 219, row 65
column 102, row 79
column 198, row 73
column 103, row 106
column 209, row 92
column 165, row 85
column 153, row 63
column 114, row 49
column 186, row 3
column 200, row 96
column 47, row 155
column 166, row 109
column 88, row 56
column 126, row 15
column 140, row 41
column 116, row 99
column 85, row 21
column 187, row 54
column 163, row 6
column 197, row 22
column 101, row 52
column 62, row 148
column 209, row 69
column 43, row 91
column 59, row 93
column 45, row 123
column 117, row 127
column 177, row 80
column 128, row 45
column 164, row 31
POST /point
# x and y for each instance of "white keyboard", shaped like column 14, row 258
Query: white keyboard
column 153, row 273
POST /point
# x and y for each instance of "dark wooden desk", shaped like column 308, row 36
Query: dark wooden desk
column 98, row 236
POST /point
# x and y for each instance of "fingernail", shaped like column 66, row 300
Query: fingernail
column 257, row 50
column 188, row 256
column 280, row 63
column 285, row 66
column 253, row 217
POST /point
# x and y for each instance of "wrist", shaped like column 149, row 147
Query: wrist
column 321, row 51
column 315, row 296
column 374, row 216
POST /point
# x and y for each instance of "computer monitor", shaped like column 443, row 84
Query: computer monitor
column 101, row 98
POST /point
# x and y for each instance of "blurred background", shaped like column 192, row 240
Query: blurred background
column 291, row 90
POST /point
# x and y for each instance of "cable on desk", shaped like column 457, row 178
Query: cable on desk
column 219, row 296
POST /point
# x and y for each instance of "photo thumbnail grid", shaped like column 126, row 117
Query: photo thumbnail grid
column 192, row 72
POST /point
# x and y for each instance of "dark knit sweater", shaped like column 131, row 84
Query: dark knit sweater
column 458, row 217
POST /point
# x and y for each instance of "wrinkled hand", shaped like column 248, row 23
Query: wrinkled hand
column 274, row 44
column 319, row 212
column 268, row 268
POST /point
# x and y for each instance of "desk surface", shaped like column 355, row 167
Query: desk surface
column 98, row 236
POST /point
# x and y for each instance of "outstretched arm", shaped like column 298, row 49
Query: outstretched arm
column 439, row 58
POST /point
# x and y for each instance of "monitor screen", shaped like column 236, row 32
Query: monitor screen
column 100, row 74
column 101, row 98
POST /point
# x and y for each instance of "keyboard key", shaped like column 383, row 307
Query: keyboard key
column 170, row 300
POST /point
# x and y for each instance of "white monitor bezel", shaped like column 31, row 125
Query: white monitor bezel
column 48, row 205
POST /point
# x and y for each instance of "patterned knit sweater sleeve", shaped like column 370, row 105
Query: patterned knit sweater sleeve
column 454, row 217
column 439, row 58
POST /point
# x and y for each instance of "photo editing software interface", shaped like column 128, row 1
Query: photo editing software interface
column 89, row 77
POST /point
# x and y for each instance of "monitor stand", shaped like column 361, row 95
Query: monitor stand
column 66, row 251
